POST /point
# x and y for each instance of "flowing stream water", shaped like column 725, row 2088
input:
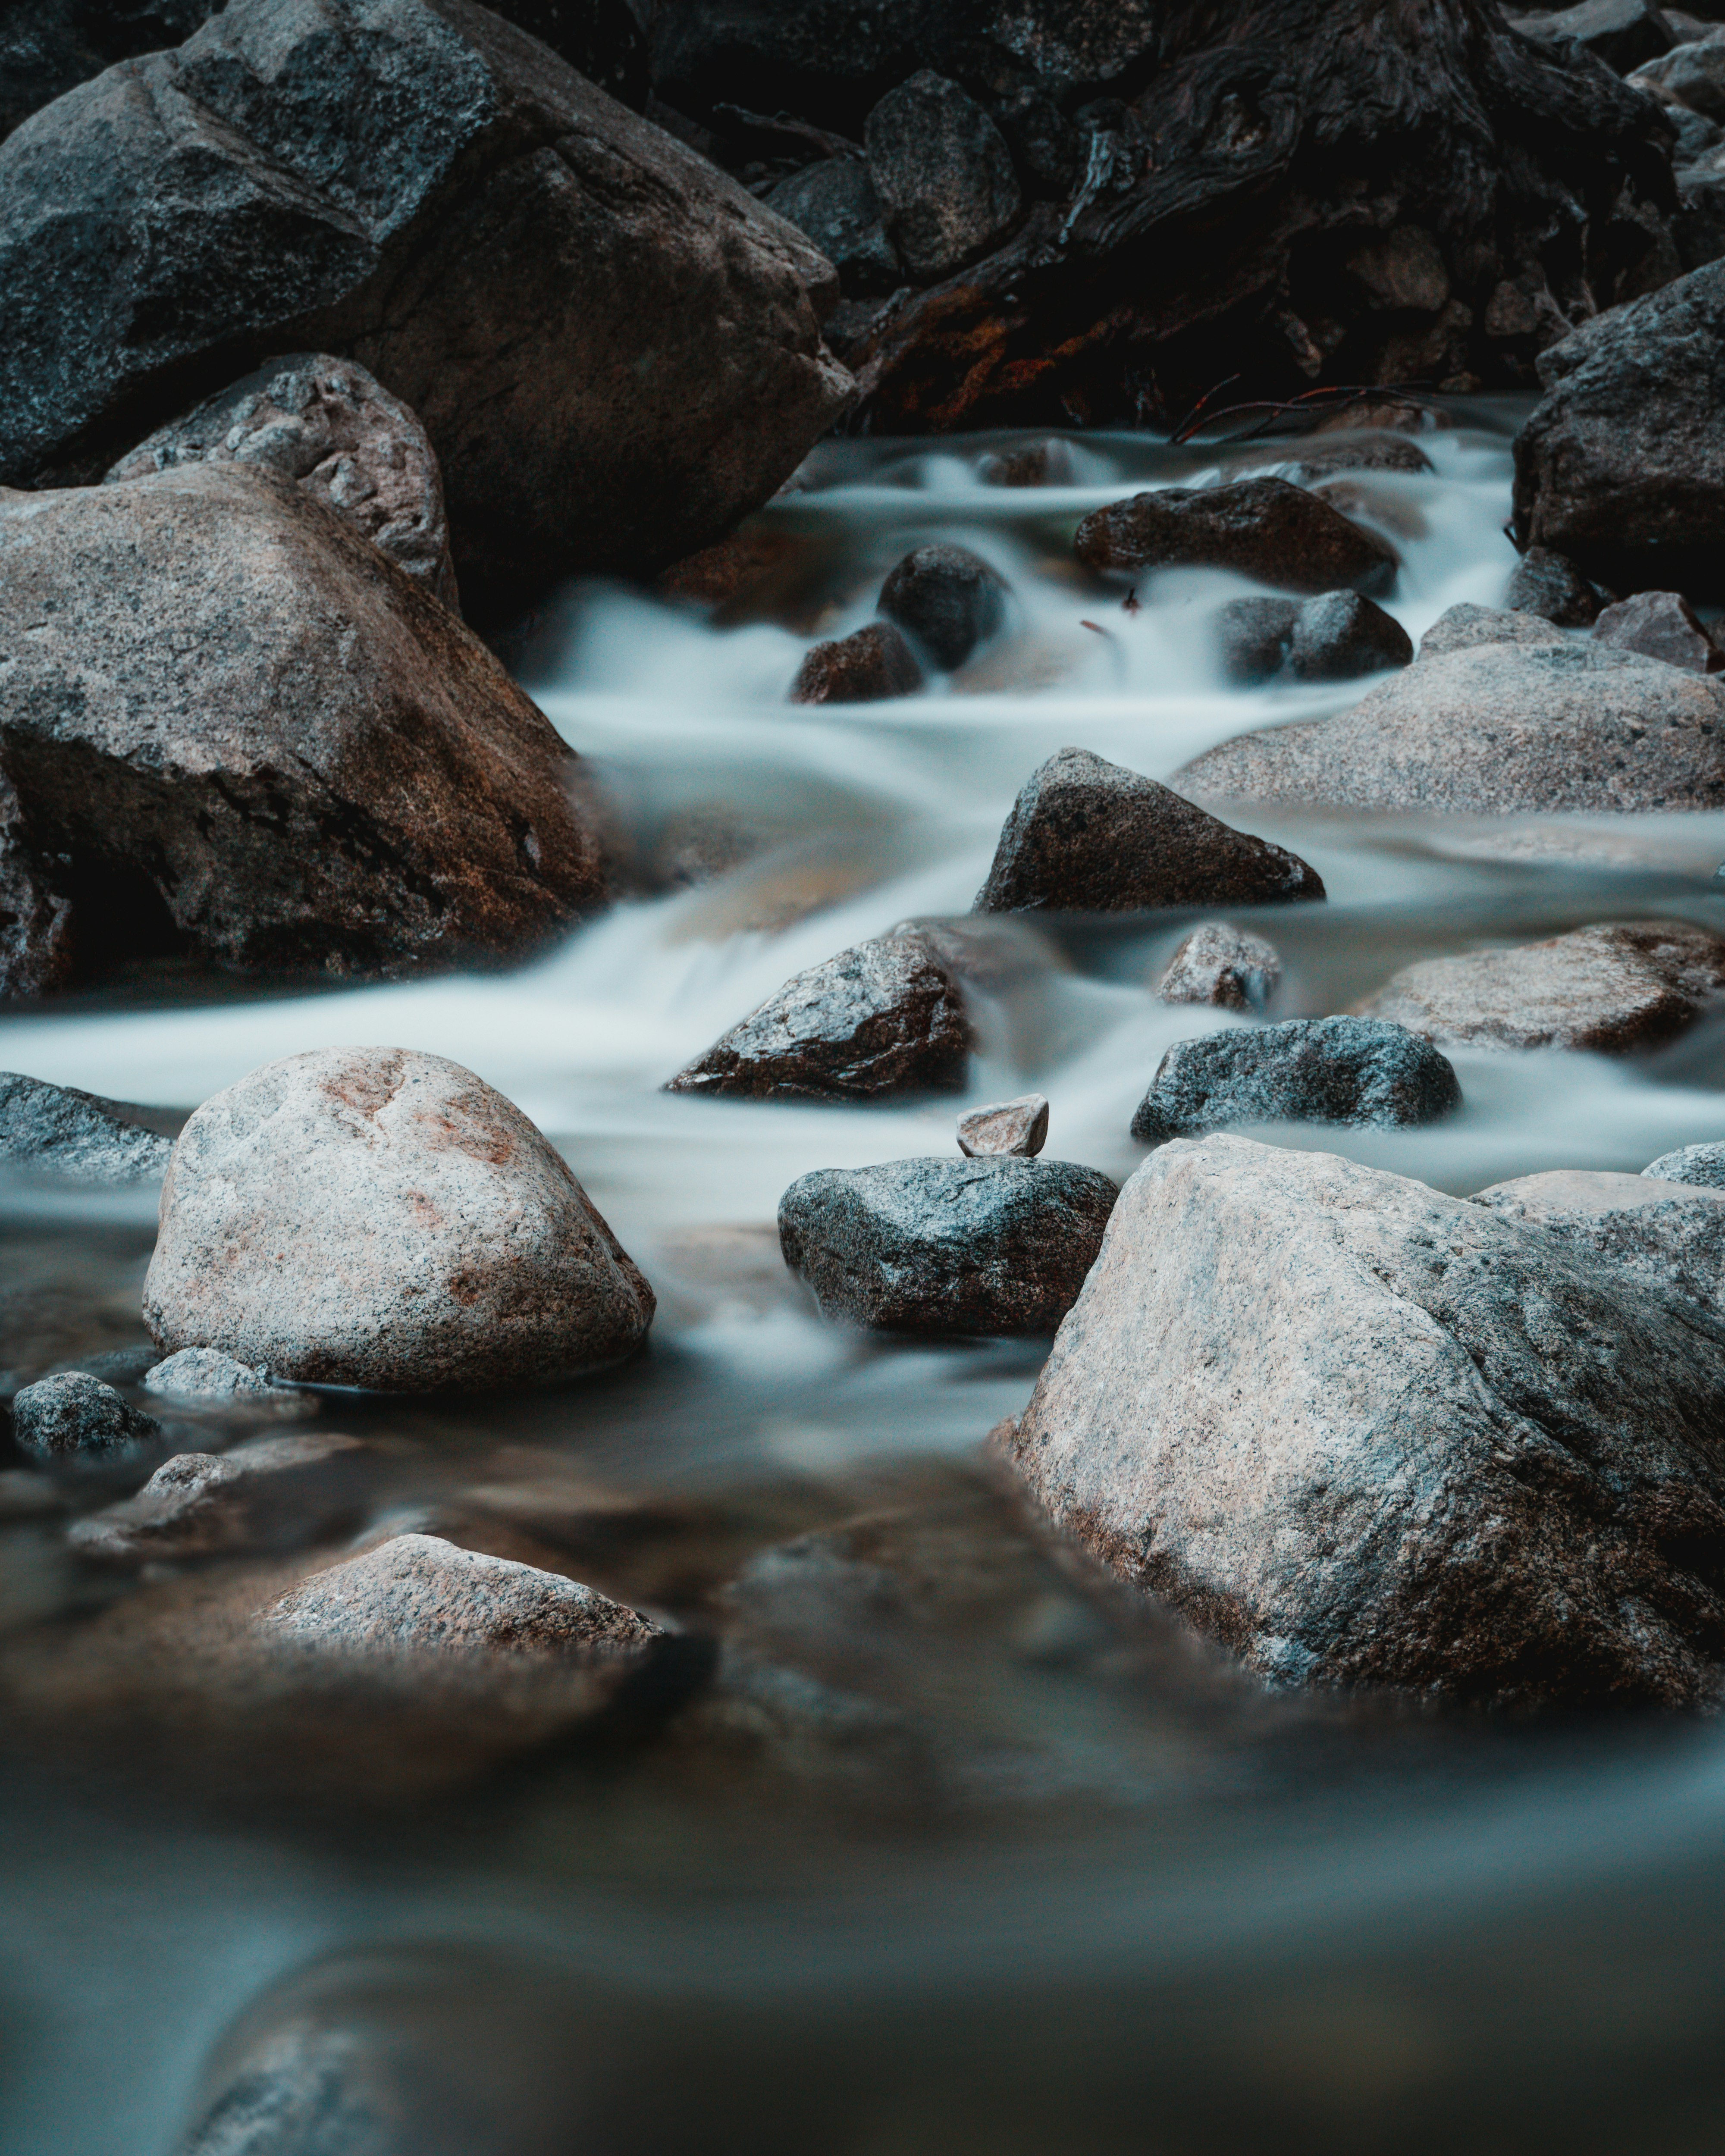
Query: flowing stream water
column 1117, row 1902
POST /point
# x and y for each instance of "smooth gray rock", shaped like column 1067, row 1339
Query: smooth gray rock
column 1362, row 1071
column 879, row 1021
column 1018, row 1128
column 1227, row 967
column 1702, row 1164
column 947, row 1249
column 1497, row 730
column 380, row 1217
column 1367, row 1434
column 73, row 1416
column 947, row 599
column 1670, row 1234
column 64, row 1132
column 1087, row 836
column 206, row 1374
column 833, row 203
column 943, row 175
column 1266, row 529
column 1660, row 625
column 1547, row 584
column 1465, row 627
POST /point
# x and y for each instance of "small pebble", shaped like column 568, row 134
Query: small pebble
column 207, row 1373
column 1017, row 1127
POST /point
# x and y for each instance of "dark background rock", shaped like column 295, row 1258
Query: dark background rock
column 866, row 667
column 947, row 599
column 1360, row 1071
column 1552, row 588
column 947, row 1248
column 1266, row 529
column 942, row 173
column 833, row 203
column 1087, row 836
column 1341, row 635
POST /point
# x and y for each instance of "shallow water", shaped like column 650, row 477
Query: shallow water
column 1114, row 1901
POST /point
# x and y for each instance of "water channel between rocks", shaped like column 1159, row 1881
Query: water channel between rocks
column 1074, row 1888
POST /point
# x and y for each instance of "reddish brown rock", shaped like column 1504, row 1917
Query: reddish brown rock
column 1660, row 625
column 1266, row 529
column 866, row 667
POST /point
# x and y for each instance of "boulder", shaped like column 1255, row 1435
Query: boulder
column 943, row 174
column 947, row 1249
column 270, row 1490
column 1552, row 586
column 832, row 203
column 1368, row 1434
column 206, row 1375
column 1227, row 967
column 1362, row 1071
column 232, row 723
column 59, row 1130
column 379, row 1217
column 1668, row 1233
column 1335, row 638
column 878, row 1022
column 1087, row 836
column 1702, row 1164
column 1266, row 529
column 1611, row 988
column 1495, row 730
column 1017, row 1128
column 614, row 349
column 1622, row 465
column 73, row 1416
column 947, row 599
column 1624, row 33
column 1463, row 627
column 51, row 46
column 1691, row 75
column 1660, row 625
column 325, row 423
column 866, row 667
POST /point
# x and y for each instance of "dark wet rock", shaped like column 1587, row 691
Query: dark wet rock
column 38, row 946
column 1087, row 836
column 207, row 1504
column 379, row 1217
column 1691, row 76
column 833, row 202
column 947, row 1249
column 1668, row 1235
column 1364, row 1072
column 1266, row 529
column 866, row 667
column 1695, row 137
column 614, row 348
column 1217, row 964
column 1308, row 462
column 1660, row 625
column 1341, row 636
column 1699, row 226
column 947, row 599
column 1622, row 465
column 1016, row 1128
column 1547, row 584
column 59, row 1130
column 73, row 1416
column 327, row 424
column 1034, row 463
column 879, row 1021
column 1495, row 730
column 1702, row 1164
column 232, row 722
column 1368, row 1434
column 1624, row 33
column 943, row 174
column 1611, row 988
column 205, row 1373
column 1465, row 626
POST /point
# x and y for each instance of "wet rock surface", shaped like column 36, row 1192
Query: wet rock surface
column 1365, row 1433
column 1016, row 1127
column 57, row 1130
column 267, row 1490
column 834, row 204
column 1701, row 1164
column 1611, row 988
column 1335, row 638
column 381, row 1218
column 1227, row 967
column 943, row 175
column 73, row 1416
column 206, row 1374
column 1626, row 35
column 947, row 599
column 943, row 1249
column 866, row 667
column 1671, row 1237
column 1492, row 731
column 1086, row 835
column 1266, row 529
column 1552, row 586
column 232, row 724
column 327, row 424
column 1362, row 1071
column 881, row 1021
column 1660, row 625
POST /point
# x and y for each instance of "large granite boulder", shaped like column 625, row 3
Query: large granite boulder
column 947, row 1249
column 1364, row 1071
column 378, row 1217
column 615, row 349
column 1365, row 1433
column 1495, row 730
column 230, row 722
column 1087, row 836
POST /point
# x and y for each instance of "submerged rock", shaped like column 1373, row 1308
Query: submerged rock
column 1266, row 529
column 380, row 1217
column 1087, row 836
column 204, row 1504
column 949, row 599
column 1217, row 964
column 879, row 1021
column 947, row 1249
column 1611, row 988
column 866, row 667
column 73, row 1416
column 1702, row 1164
column 1018, row 1128
column 1660, row 625
column 1362, row 1071
column 1365, row 1433
column 1547, row 584
column 1665, row 1234
column 64, row 1132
